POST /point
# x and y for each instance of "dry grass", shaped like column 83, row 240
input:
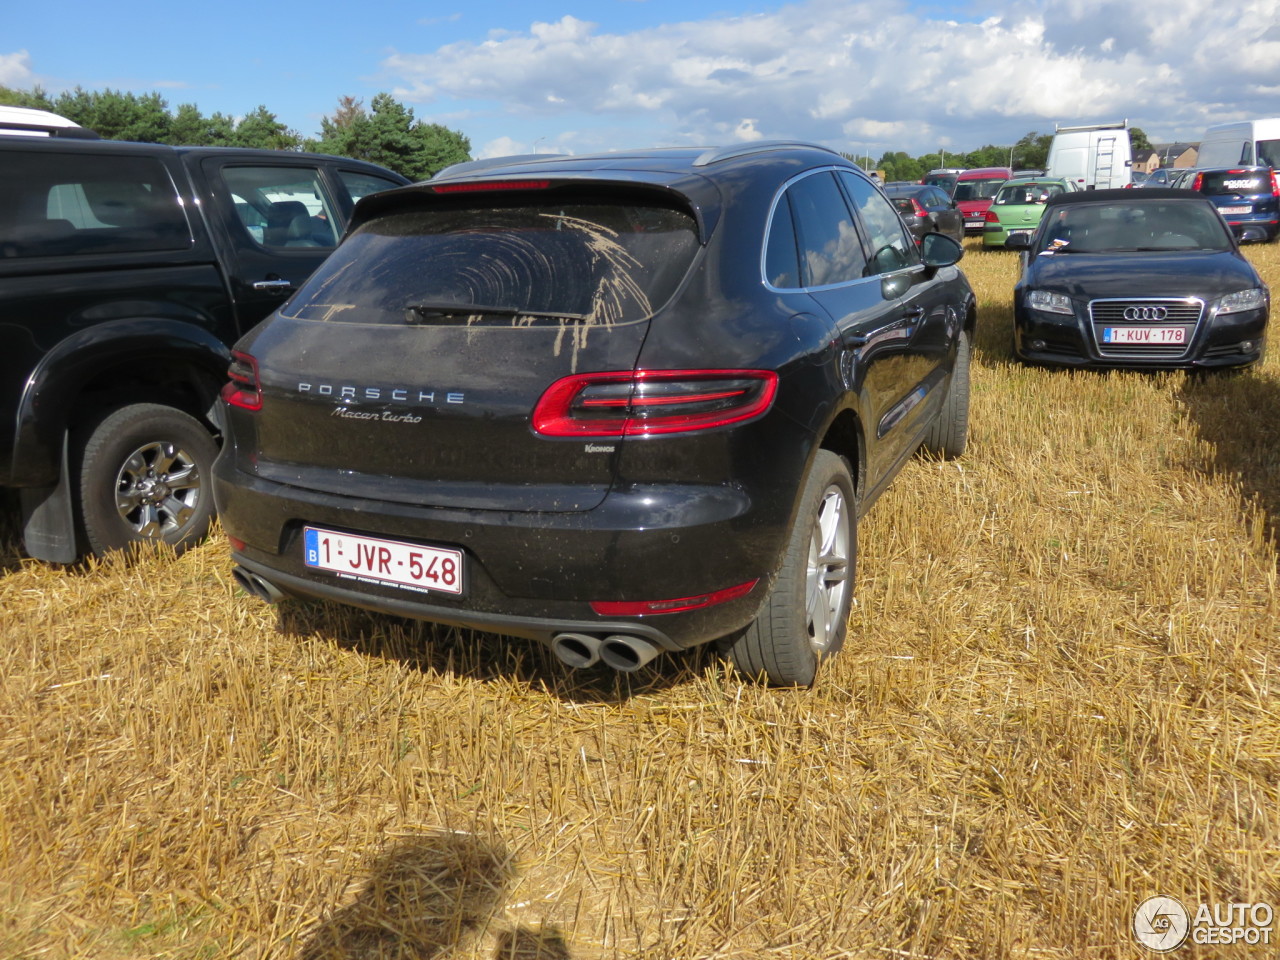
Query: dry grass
column 1060, row 697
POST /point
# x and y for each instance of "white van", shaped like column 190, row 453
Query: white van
column 1095, row 156
column 1244, row 143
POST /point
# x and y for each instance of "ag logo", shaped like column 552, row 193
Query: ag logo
column 1161, row 924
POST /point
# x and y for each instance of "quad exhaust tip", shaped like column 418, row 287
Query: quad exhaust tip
column 618, row 651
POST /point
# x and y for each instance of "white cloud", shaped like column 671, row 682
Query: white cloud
column 15, row 70
column 881, row 73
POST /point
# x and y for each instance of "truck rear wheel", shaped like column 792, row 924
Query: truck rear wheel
column 146, row 473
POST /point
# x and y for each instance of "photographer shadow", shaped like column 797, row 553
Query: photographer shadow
column 1238, row 415
column 428, row 896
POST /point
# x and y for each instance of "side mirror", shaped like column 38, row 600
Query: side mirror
column 937, row 250
column 1249, row 234
column 1019, row 241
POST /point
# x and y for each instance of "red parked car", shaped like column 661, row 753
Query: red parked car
column 975, row 189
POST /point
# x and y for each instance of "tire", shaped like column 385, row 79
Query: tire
column 806, row 616
column 145, row 475
column 948, row 435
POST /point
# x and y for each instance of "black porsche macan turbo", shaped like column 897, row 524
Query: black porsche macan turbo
column 619, row 404
column 1140, row 279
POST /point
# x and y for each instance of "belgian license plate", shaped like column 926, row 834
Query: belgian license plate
column 375, row 560
column 1144, row 335
column 975, row 223
column 1015, row 233
column 1226, row 211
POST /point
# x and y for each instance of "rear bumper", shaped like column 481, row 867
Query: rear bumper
column 530, row 575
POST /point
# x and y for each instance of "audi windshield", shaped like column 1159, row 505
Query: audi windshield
column 1133, row 227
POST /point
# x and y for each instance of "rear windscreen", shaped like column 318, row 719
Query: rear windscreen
column 976, row 189
column 1028, row 193
column 904, row 206
column 602, row 262
column 1218, row 182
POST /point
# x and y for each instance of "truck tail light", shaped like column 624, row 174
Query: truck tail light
column 243, row 388
column 648, row 402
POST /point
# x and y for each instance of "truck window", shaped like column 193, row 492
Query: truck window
column 85, row 203
column 282, row 206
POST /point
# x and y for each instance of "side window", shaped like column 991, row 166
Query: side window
column 362, row 184
column 1246, row 153
column 830, row 249
column 282, row 206
column 891, row 246
column 84, row 203
column 781, row 265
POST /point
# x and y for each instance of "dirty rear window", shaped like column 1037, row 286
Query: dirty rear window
column 602, row 263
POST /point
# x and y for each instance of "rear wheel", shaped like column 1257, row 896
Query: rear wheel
column 949, row 433
column 805, row 618
column 146, row 475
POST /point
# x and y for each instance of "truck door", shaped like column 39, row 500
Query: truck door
column 276, row 221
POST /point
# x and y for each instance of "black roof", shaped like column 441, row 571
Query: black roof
column 1128, row 196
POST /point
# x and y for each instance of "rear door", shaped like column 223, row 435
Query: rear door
column 277, row 221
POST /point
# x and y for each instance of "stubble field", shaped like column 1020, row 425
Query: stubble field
column 1060, row 696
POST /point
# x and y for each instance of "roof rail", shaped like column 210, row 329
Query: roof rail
column 716, row 154
column 476, row 166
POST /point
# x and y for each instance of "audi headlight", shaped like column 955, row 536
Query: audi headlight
column 1049, row 302
column 1242, row 300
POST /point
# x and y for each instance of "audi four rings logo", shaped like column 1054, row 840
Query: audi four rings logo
column 1146, row 313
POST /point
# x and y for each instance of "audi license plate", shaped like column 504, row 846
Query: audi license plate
column 1144, row 335
column 1228, row 211
column 374, row 560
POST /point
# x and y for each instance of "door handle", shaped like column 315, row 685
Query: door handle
column 273, row 286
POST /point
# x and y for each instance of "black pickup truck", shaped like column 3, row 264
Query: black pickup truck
column 126, row 270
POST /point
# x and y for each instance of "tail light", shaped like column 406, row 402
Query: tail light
column 918, row 210
column 991, row 217
column 1275, row 185
column 1197, row 182
column 243, row 388
column 646, row 402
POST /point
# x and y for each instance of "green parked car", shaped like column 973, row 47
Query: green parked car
column 1018, row 205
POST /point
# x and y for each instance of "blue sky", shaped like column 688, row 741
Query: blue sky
column 577, row 76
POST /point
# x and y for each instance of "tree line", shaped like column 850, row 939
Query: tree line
column 385, row 133
column 1029, row 153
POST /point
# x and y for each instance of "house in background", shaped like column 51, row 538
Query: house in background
column 1180, row 155
column 1145, row 161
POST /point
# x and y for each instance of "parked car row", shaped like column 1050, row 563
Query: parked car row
column 619, row 404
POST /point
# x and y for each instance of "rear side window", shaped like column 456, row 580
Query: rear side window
column 282, row 206
column 79, row 204
column 520, row 264
column 830, row 249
